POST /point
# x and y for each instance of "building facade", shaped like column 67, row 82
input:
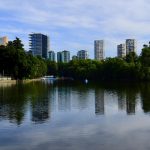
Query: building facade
column 121, row 50
column 65, row 56
column 131, row 45
column 99, row 49
column 59, row 57
column 51, row 55
column 4, row 40
column 39, row 44
column 82, row 54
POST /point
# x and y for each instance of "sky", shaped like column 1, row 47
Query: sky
column 74, row 24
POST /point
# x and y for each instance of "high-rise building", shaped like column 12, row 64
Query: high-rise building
column 121, row 50
column 131, row 45
column 4, row 40
column 99, row 49
column 59, row 56
column 51, row 55
column 39, row 44
column 82, row 54
column 65, row 56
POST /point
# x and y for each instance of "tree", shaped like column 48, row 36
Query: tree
column 51, row 67
column 131, row 57
column 145, row 57
column 19, row 65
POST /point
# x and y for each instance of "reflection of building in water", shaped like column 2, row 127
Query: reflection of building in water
column 130, row 102
column 99, row 102
column 64, row 98
column 52, row 98
column 121, row 101
column 40, row 110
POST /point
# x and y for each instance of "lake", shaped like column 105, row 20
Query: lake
column 75, row 116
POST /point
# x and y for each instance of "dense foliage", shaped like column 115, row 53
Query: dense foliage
column 15, row 62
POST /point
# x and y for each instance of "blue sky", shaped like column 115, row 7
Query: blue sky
column 75, row 24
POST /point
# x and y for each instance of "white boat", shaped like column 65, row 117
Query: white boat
column 48, row 78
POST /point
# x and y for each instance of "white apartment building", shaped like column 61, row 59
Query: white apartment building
column 121, row 50
column 131, row 45
column 82, row 54
column 99, row 49
column 51, row 55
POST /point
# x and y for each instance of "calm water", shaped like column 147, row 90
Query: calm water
column 74, row 116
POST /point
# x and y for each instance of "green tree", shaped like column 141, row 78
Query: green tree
column 51, row 67
column 131, row 57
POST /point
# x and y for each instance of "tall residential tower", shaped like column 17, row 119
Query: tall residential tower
column 51, row 55
column 99, row 49
column 131, row 45
column 39, row 44
column 82, row 54
column 121, row 50
column 63, row 56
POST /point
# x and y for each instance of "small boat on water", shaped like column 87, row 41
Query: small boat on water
column 48, row 78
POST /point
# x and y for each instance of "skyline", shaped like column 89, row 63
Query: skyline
column 80, row 23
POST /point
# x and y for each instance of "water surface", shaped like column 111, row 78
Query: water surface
column 70, row 116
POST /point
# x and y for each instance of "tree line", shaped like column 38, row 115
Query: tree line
column 131, row 67
column 18, row 64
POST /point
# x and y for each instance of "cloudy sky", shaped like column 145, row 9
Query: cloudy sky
column 75, row 24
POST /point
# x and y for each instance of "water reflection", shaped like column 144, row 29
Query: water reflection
column 64, row 98
column 40, row 110
column 130, row 102
column 83, row 97
column 74, row 116
column 41, row 100
column 12, row 105
column 99, row 102
column 145, row 97
column 121, row 100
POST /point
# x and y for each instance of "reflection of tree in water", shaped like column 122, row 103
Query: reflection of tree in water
column 14, row 99
column 99, row 102
column 145, row 97
column 12, row 103
column 40, row 110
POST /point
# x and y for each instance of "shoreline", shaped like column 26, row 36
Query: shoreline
column 18, row 81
